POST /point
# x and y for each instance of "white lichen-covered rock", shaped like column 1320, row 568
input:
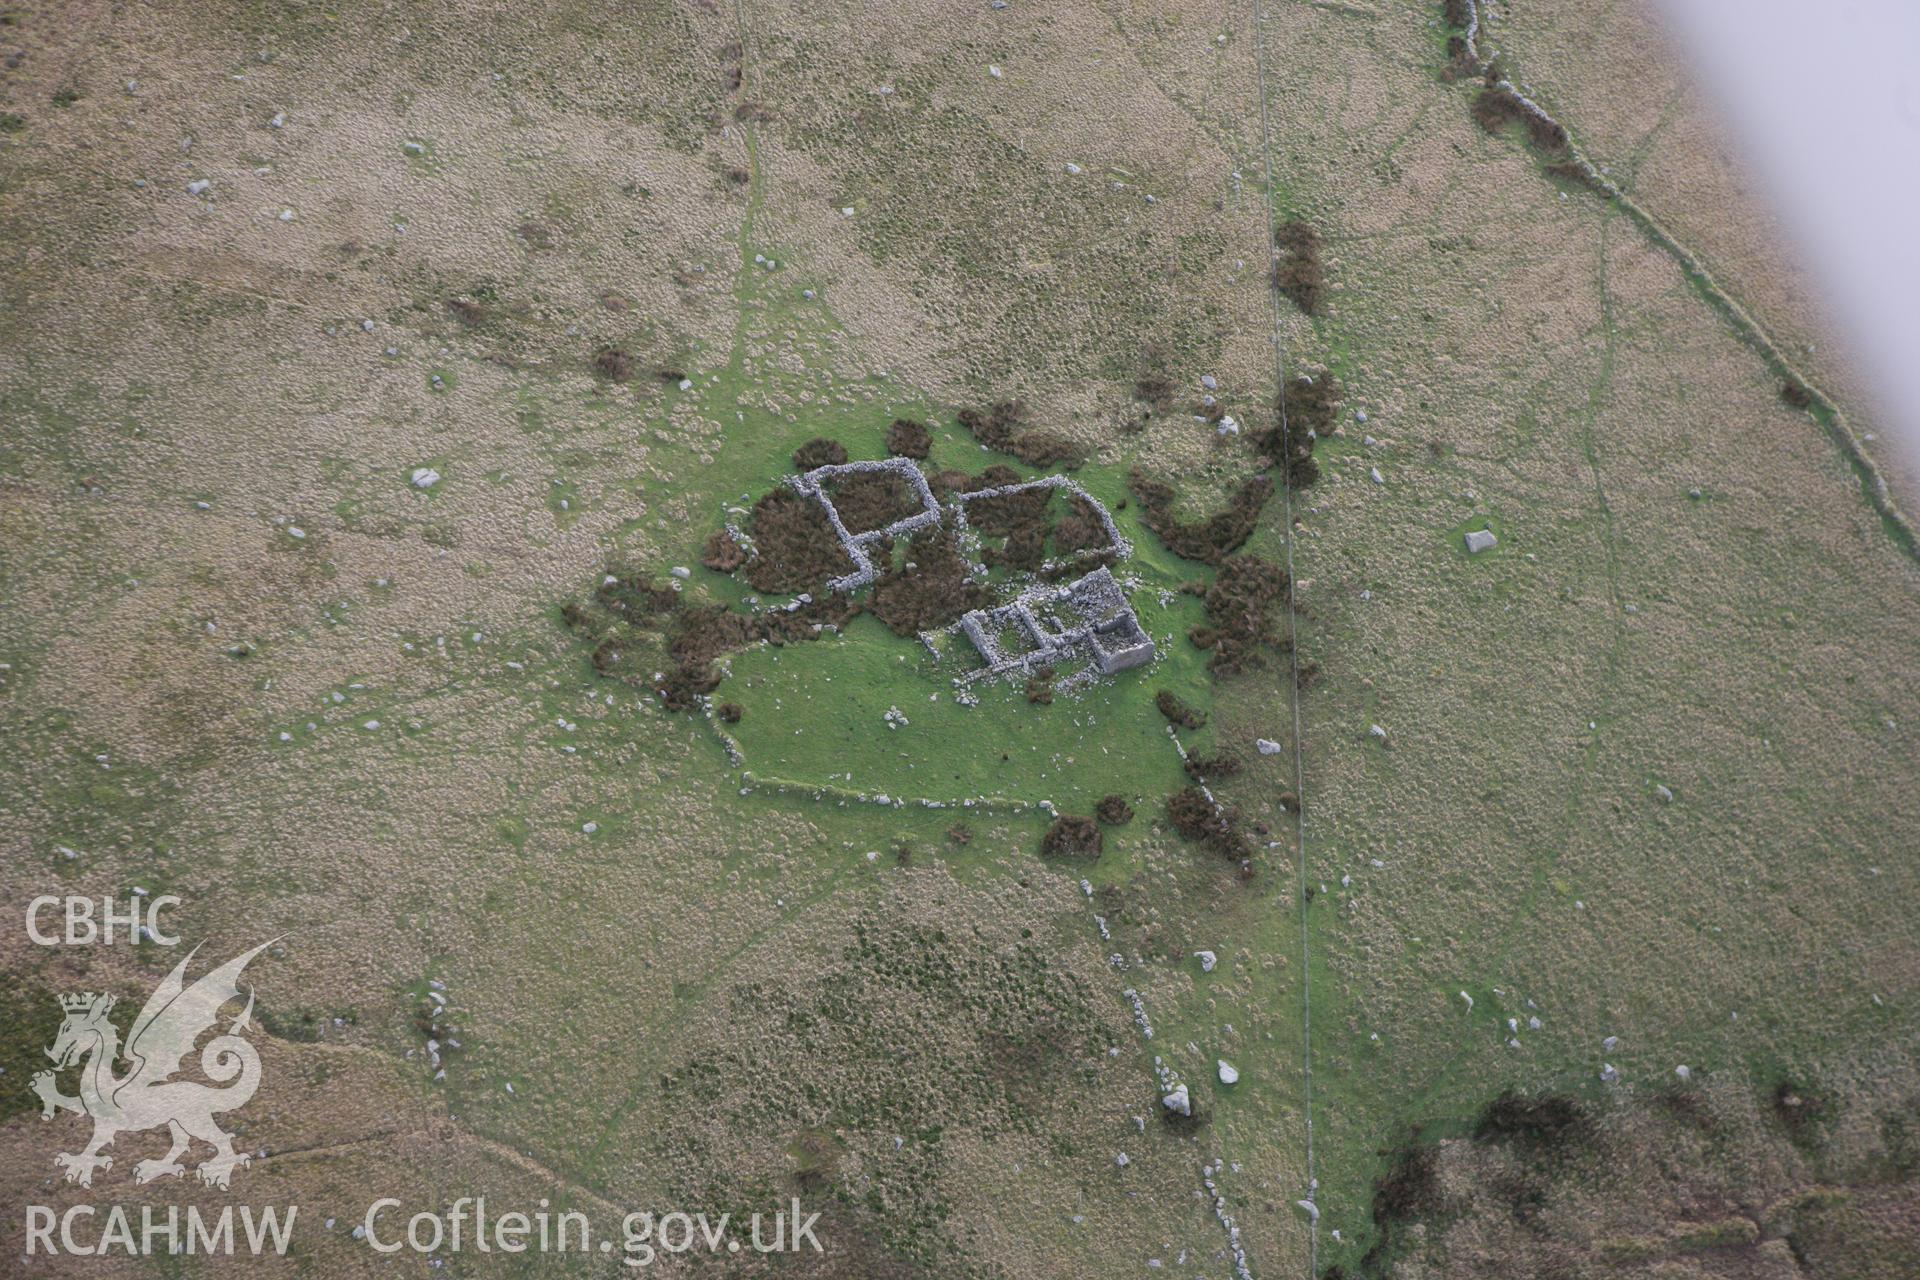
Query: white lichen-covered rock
column 1479, row 540
column 425, row 477
column 1178, row 1101
column 681, row 571
column 1228, row 1074
column 1207, row 960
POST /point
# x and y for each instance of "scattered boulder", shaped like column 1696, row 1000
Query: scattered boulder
column 1266, row 746
column 1479, row 540
column 1228, row 1075
column 425, row 477
column 1178, row 1101
column 1207, row 960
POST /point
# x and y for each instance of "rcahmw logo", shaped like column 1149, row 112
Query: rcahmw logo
column 145, row 1096
column 160, row 1231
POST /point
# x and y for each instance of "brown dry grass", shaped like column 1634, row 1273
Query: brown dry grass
column 162, row 351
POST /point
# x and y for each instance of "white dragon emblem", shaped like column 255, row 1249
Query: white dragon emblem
column 173, row 1018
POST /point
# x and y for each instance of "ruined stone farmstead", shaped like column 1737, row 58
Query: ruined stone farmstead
column 1103, row 627
column 1088, row 617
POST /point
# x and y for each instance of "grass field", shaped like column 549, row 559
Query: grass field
column 1647, row 771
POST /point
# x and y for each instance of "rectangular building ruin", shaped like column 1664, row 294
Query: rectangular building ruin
column 1088, row 617
column 1117, row 548
column 814, row 485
